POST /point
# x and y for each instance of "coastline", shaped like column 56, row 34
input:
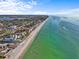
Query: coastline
column 19, row 51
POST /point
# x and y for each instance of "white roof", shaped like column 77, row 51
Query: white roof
column 3, row 44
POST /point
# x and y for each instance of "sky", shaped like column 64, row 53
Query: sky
column 48, row 7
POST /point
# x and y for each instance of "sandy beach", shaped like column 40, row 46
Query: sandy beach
column 19, row 51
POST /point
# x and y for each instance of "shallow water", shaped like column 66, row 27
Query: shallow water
column 57, row 39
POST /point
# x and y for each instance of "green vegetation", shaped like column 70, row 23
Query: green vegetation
column 15, row 28
column 21, row 19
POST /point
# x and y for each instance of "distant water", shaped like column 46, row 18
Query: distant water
column 57, row 39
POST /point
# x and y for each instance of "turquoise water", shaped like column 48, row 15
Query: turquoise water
column 57, row 39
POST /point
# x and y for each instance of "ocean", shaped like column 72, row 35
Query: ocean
column 57, row 39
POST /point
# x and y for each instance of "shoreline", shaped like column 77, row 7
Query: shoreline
column 19, row 51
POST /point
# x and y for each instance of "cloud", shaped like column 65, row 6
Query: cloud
column 69, row 12
column 20, row 7
column 33, row 2
column 15, row 6
column 73, row 12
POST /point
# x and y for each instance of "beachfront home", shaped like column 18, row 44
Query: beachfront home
column 3, row 49
column 12, row 38
column 3, row 46
column 3, row 52
column 18, row 37
column 8, row 39
column 14, row 27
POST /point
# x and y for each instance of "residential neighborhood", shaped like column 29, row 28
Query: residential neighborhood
column 14, row 31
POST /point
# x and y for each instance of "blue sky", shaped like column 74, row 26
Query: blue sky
column 39, row 6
